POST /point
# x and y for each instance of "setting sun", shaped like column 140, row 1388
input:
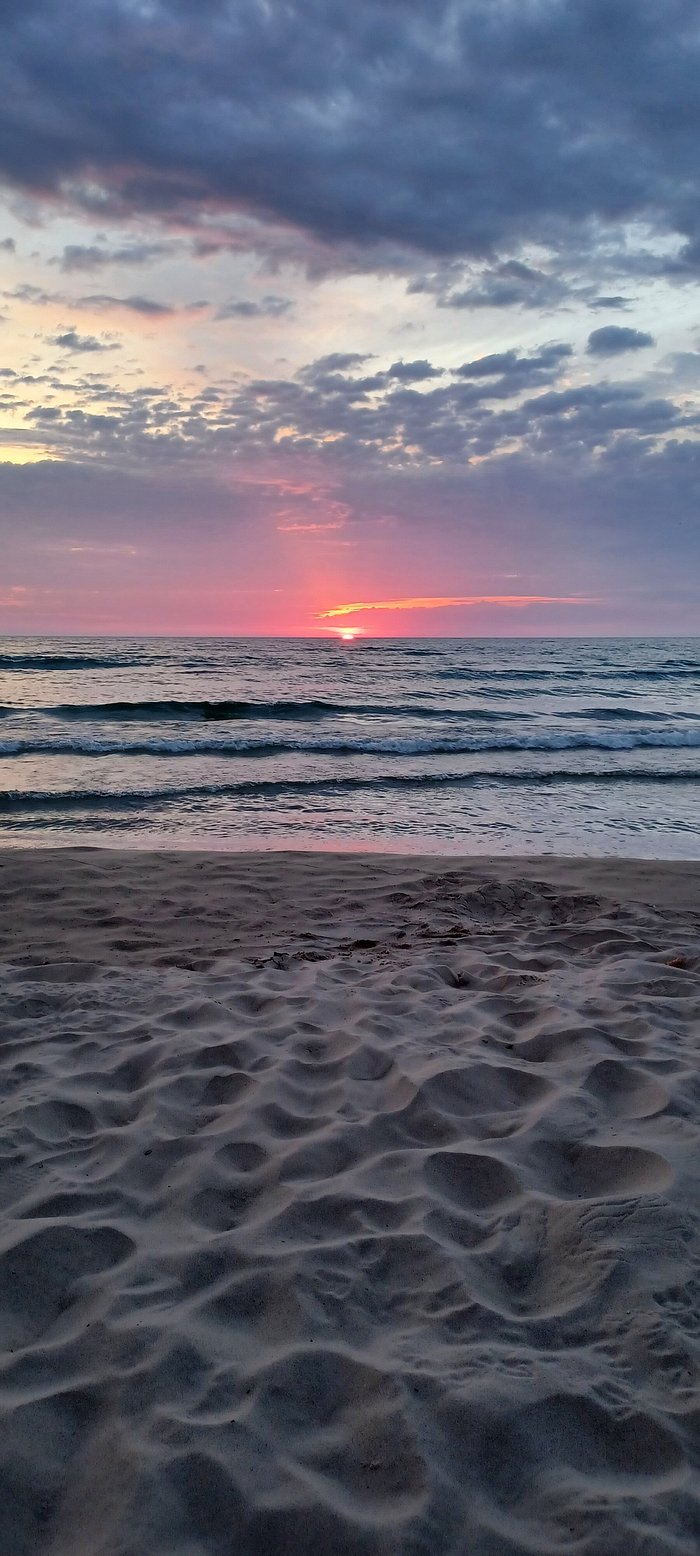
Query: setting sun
column 347, row 634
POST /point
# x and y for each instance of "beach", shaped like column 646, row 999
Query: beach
column 349, row 778
column 350, row 1204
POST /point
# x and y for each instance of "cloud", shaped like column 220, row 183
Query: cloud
column 413, row 372
column 509, row 371
column 70, row 340
column 308, row 529
column 148, row 306
column 25, row 293
column 443, row 602
column 335, row 362
column 436, row 125
column 7, row 246
column 612, row 339
column 511, row 362
column 271, row 307
column 143, row 305
column 612, row 302
column 103, row 550
column 510, row 284
column 683, row 368
column 331, row 411
column 82, row 257
column 563, row 513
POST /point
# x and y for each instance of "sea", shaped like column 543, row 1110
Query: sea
column 477, row 746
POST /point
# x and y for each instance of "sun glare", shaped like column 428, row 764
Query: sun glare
column 347, row 634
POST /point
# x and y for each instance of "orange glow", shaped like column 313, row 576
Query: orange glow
column 441, row 602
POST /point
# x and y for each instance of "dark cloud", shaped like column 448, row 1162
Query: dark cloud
column 612, row 339
column 413, row 372
column 335, row 362
column 510, row 284
column 148, row 306
column 332, row 413
column 612, row 302
column 589, row 414
column 92, row 301
column 451, row 126
column 70, row 340
column 80, row 257
column 271, row 307
column 24, row 293
column 684, row 369
column 544, row 360
column 508, row 372
column 7, row 246
column 144, row 305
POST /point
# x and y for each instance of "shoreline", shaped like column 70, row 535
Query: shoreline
column 410, row 846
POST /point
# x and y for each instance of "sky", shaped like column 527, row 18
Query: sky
column 372, row 318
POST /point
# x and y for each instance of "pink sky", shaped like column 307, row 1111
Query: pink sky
column 293, row 335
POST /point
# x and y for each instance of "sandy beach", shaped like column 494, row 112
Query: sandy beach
column 350, row 1205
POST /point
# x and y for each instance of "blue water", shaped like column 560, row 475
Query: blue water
column 480, row 746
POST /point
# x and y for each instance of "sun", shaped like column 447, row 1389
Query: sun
column 347, row 634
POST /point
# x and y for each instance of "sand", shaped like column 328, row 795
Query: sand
column 350, row 1205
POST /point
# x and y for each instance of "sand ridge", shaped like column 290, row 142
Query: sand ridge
column 359, row 1216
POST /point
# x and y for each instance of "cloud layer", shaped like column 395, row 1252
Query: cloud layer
column 382, row 302
column 460, row 127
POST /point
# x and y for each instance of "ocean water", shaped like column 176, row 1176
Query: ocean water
column 581, row 746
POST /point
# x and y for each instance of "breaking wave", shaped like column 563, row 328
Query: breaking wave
column 338, row 744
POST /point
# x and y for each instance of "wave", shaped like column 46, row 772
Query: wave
column 170, row 710
column 653, row 673
column 64, row 662
column 235, row 711
column 595, row 672
column 553, row 740
column 612, row 715
column 16, row 801
column 484, row 674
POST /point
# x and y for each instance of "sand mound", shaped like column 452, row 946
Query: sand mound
column 392, row 1251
